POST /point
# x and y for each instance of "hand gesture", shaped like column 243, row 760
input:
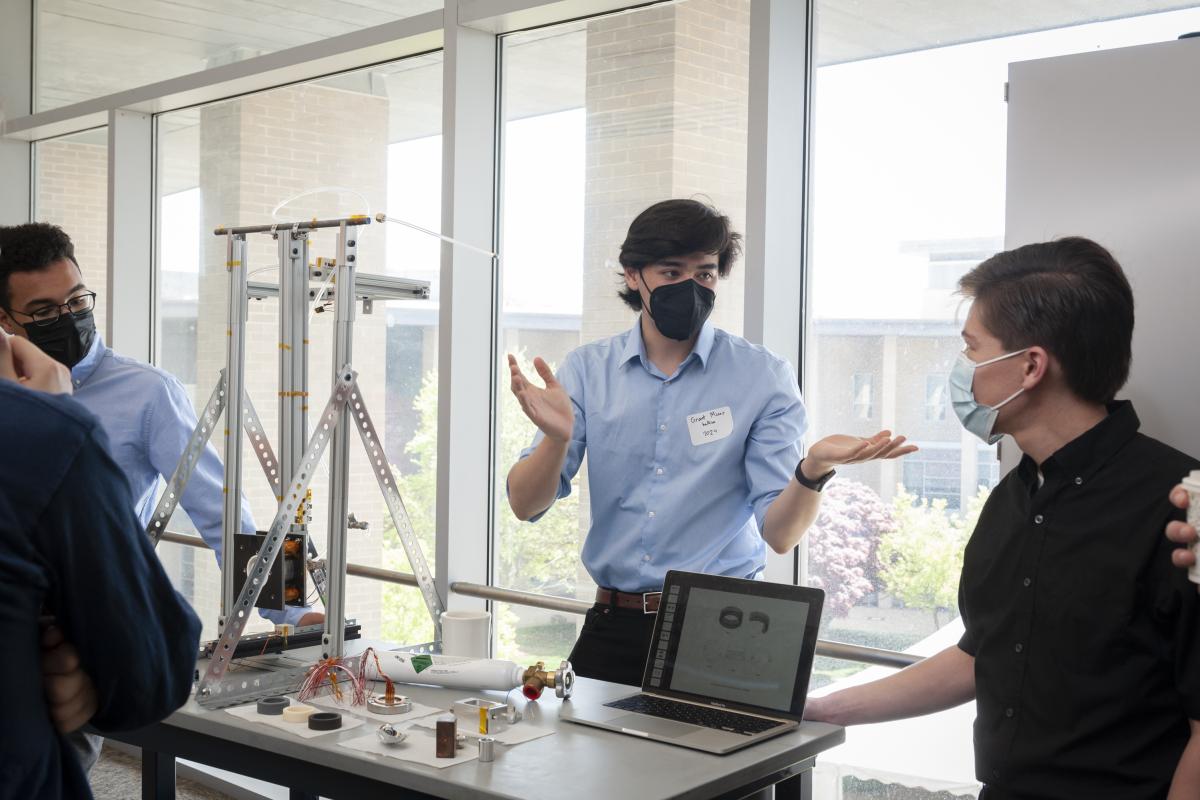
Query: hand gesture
column 550, row 408
column 21, row 361
column 839, row 449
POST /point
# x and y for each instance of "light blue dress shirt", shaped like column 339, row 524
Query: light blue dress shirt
column 149, row 419
column 666, row 493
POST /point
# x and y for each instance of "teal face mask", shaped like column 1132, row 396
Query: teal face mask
column 975, row 416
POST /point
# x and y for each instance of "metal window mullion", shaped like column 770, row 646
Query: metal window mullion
column 777, row 192
column 467, row 310
column 16, row 98
column 130, row 290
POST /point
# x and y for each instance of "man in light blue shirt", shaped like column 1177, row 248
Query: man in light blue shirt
column 144, row 410
column 693, row 438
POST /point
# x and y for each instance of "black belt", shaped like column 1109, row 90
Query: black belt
column 646, row 602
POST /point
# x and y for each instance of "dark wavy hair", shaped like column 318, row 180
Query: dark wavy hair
column 31, row 248
column 1069, row 296
column 677, row 228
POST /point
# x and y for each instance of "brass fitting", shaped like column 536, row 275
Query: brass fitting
column 537, row 679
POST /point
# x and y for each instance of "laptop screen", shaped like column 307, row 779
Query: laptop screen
column 734, row 643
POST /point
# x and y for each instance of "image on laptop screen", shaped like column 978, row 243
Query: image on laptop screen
column 737, row 647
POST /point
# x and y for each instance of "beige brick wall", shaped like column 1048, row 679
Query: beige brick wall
column 666, row 117
column 71, row 191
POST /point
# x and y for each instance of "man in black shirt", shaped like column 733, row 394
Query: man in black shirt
column 71, row 547
column 1082, row 642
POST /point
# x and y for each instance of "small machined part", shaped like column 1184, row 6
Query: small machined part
column 389, row 734
column 487, row 749
column 378, row 704
column 460, row 741
column 273, row 706
column 297, row 713
column 324, row 721
column 731, row 617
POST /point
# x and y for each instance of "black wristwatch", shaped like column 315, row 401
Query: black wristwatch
column 816, row 485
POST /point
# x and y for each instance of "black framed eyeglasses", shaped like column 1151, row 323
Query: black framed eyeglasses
column 77, row 306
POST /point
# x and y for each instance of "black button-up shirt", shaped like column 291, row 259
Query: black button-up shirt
column 1086, row 639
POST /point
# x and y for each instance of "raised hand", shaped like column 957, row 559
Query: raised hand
column 839, row 449
column 549, row 408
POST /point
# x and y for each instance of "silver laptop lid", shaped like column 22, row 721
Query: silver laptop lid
column 733, row 643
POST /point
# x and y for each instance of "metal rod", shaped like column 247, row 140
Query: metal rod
column 235, row 358
column 312, row 224
column 339, row 457
column 838, row 650
column 374, row 287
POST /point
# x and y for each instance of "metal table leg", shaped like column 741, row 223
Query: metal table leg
column 158, row 775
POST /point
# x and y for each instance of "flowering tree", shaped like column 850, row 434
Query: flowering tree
column 842, row 544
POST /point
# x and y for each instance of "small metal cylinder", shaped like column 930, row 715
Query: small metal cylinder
column 487, row 749
column 379, row 705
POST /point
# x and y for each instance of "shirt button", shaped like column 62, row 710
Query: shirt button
column 646, row 557
column 1079, row 481
column 662, row 427
column 1038, row 519
column 1008, row 712
column 1018, row 647
column 1027, row 581
column 658, row 471
column 651, row 515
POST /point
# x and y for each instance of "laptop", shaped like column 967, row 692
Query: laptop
column 729, row 665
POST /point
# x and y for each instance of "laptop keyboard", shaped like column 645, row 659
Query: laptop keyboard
column 696, row 715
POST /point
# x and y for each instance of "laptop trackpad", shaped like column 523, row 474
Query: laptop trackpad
column 653, row 726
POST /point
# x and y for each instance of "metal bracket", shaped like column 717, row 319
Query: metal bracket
column 395, row 504
column 171, row 496
column 239, row 614
column 262, row 447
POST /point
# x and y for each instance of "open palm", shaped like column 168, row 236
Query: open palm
column 548, row 408
column 840, row 449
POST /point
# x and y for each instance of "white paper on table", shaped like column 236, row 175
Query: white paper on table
column 330, row 702
column 301, row 729
column 420, row 747
column 513, row 734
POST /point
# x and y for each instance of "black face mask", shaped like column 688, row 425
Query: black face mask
column 67, row 340
column 680, row 309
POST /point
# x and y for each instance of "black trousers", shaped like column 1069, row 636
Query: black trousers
column 613, row 645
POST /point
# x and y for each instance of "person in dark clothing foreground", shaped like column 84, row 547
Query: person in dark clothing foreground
column 121, row 651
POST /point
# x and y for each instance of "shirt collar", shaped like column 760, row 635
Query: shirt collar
column 87, row 365
column 1088, row 452
column 635, row 346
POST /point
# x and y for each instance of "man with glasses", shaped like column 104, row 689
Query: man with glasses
column 144, row 410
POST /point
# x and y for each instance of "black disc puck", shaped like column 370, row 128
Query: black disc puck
column 273, row 706
column 325, row 721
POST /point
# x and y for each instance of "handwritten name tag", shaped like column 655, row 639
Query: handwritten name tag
column 706, row 427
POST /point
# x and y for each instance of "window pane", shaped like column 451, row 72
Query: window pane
column 87, row 50
column 363, row 142
column 909, row 164
column 70, row 189
column 601, row 119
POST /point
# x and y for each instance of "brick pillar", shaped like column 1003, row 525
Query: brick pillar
column 72, row 192
column 254, row 153
column 666, row 117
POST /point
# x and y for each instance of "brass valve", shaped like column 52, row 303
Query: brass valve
column 537, row 678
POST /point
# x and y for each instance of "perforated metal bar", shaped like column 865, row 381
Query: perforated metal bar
column 259, row 567
column 257, row 435
column 382, row 470
column 205, row 425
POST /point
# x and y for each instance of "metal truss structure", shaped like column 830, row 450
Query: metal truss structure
column 291, row 474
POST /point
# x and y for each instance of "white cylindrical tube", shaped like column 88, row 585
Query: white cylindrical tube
column 1192, row 484
column 449, row 671
column 466, row 633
